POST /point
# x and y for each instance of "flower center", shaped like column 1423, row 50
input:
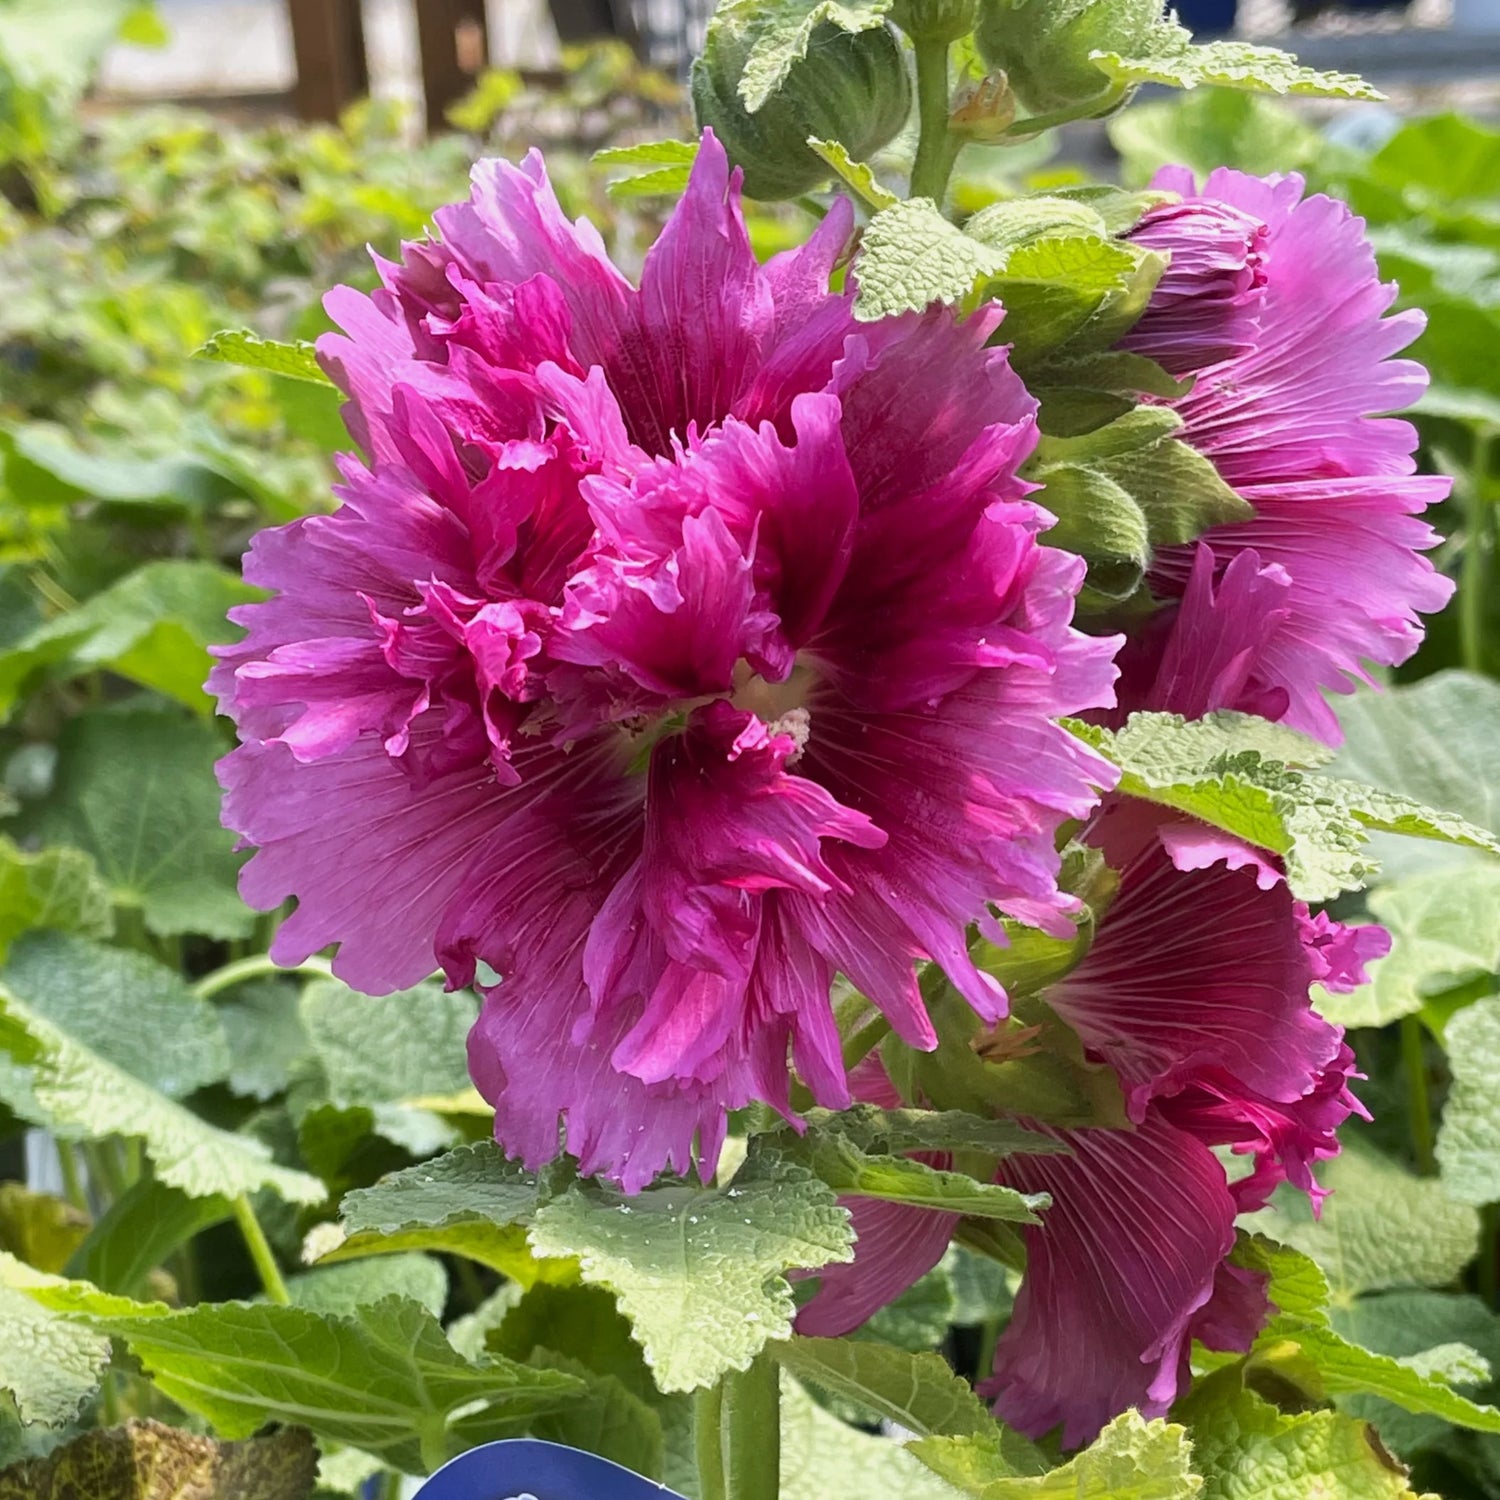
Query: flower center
column 772, row 701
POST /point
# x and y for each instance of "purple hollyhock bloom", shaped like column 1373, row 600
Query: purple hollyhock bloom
column 672, row 648
column 1273, row 304
column 1195, row 990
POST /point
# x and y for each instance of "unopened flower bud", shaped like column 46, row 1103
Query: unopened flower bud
column 1044, row 45
column 850, row 87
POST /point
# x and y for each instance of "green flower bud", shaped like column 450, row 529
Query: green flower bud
column 851, row 87
column 1044, row 45
column 935, row 20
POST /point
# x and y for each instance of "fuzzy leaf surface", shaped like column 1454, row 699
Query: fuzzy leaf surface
column 1132, row 1459
column 700, row 1271
column 136, row 791
column 83, row 1093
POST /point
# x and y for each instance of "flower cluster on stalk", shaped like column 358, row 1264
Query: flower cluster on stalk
column 677, row 647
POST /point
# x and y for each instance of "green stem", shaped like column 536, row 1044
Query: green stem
column 935, row 156
column 67, row 1159
column 1100, row 104
column 104, row 1169
column 254, row 967
column 1418, row 1105
column 811, row 205
column 737, row 1434
column 708, row 1442
column 989, row 1336
column 260, row 1251
column 858, row 1045
column 1476, row 557
column 390, row 1485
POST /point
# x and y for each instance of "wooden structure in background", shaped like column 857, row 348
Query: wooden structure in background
column 328, row 38
column 328, row 41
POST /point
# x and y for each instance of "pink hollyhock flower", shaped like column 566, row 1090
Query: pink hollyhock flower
column 1273, row 304
column 673, row 647
column 1195, row 990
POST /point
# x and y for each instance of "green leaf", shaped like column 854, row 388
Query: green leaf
column 173, row 1042
column 1432, row 741
column 1380, row 1227
column 891, row 1130
column 1243, row 1446
column 146, row 1460
column 580, row 1322
column 383, row 1048
column 472, row 1183
column 852, row 1172
column 607, row 1419
column 266, row 1040
column 1174, row 61
column 786, row 27
column 1219, row 769
column 672, row 162
column 1300, row 1344
column 1468, row 1143
column 1132, row 1459
column 821, row 1458
column 911, row 256
column 1214, row 128
column 139, row 1231
column 1445, row 931
column 153, row 626
column 470, row 1201
column 136, row 791
column 82, row 1092
column 343, row 1290
column 384, row 1380
column 44, row 466
column 700, row 1271
column 57, row 888
column 297, row 361
column 855, row 175
column 919, row 1392
column 48, row 1365
column 917, row 1321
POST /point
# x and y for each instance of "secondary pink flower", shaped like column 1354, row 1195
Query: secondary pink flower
column 1274, row 306
column 673, row 647
column 1196, row 991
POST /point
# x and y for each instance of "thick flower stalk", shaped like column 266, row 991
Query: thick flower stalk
column 1273, row 305
column 672, row 648
column 1195, row 991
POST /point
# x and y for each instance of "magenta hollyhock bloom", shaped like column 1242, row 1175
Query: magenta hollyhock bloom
column 1273, row 305
column 1195, row 990
column 672, row 648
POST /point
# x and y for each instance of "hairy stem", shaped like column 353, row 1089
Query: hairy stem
column 935, row 154
column 260, row 1251
column 708, row 1442
column 737, row 1428
column 254, row 967
column 1419, row 1106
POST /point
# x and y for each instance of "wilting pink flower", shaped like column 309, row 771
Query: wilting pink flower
column 1272, row 303
column 672, row 648
column 1195, row 990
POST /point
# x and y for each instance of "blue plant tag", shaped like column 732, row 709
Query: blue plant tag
column 529, row 1469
